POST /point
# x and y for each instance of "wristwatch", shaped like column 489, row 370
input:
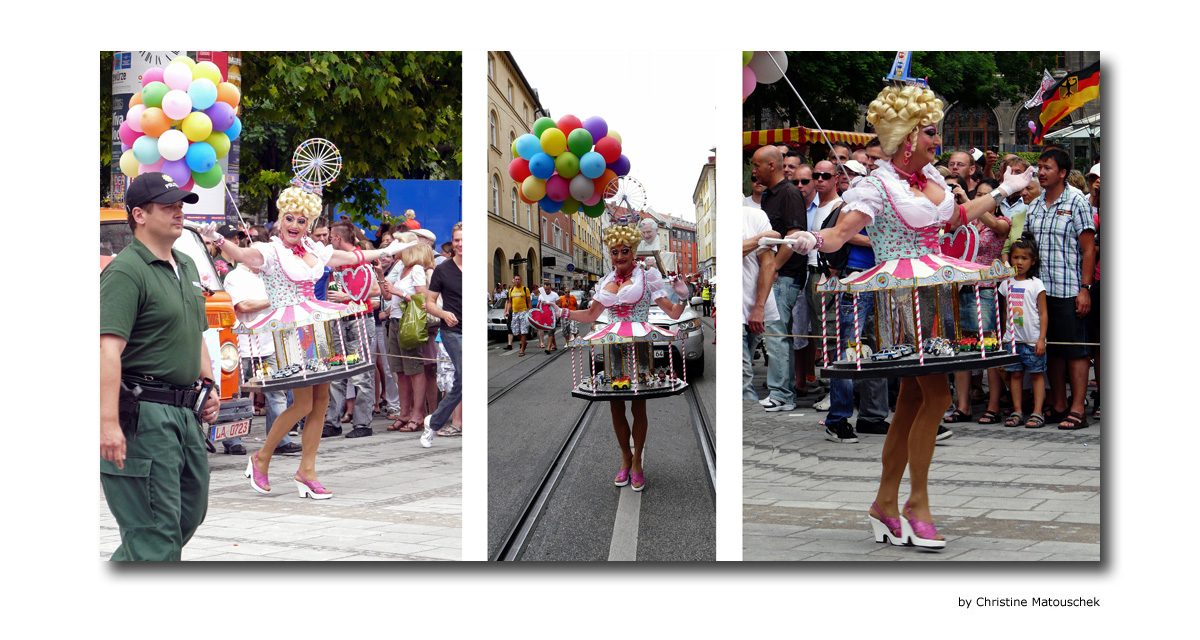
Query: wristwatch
column 998, row 195
column 1086, row 286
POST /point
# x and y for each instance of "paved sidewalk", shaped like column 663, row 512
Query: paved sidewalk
column 997, row 493
column 393, row 500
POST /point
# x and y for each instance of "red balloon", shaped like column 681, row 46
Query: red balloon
column 609, row 148
column 568, row 123
column 608, row 176
column 518, row 169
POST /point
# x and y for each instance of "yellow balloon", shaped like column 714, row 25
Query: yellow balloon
column 553, row 141
column 219, row 142
column 208, row 70
column 534, row 188
column 186, row 60
column 614, row 134
column 129, row 164
column 197, row 126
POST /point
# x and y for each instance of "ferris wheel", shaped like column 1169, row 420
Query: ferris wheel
column 317, row 163
column 624, row 193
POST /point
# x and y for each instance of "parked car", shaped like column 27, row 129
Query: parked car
column 496, row 327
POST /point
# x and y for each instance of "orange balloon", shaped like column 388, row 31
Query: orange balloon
column 521, row 195
column 136, row 99
column 228, row 94
column 154, row 122
column 608, row 176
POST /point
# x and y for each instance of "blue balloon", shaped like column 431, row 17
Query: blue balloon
column 550, row 206
column 203, row 94
column 201, row 157
column 145, row 149
column 234, row 129
column 528, row 146
column 591, row 164
column 541, row 165
column 620, row 166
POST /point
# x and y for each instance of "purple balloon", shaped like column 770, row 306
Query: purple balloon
column 620, row 166
column 596, row 126
column 221, row 114
column 125, row 148
column 178, row 170
column 557, row 188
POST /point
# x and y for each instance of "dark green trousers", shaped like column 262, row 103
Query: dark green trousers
column 161, row 496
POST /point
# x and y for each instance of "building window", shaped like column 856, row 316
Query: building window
column 492, row 127
column 513, row 198
column 496, row 194
column 545, row 231
column 512, row 138
column 491, row 67
column 558, row 240
column 528, row 215
column 510, row 92
column 966, row 128
column 525, row 113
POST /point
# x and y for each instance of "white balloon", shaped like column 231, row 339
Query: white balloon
column 172, row 144
column 582, row 188
column 765, row 70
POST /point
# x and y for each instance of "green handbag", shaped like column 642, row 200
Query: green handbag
column 414, row 332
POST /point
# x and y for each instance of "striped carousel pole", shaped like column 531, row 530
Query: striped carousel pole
column 824, row 332
column 857, row 337
column 917, row 316
column 592, row 350
column 979, row 326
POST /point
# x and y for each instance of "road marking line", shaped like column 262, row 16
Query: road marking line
column 623, row 546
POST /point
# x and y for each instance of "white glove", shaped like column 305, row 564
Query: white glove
column 802, row 241
column 679, row 287
column 208, row 231
column 396, row 247
column 1014, row 182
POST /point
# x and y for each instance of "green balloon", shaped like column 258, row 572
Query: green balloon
column 541, row 125
column 570, row 205
column 746, row 57
column 208, row 179
column 219, row 142
column 514, row 150
column 567, row 165
column 594, row 210
column 153, row 94
column 580, row 141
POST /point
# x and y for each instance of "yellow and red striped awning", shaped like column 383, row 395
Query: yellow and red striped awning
column 756, row 139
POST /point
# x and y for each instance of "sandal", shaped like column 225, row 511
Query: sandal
column 1054, row 415
column 1014, row 419
column 411, row 426
column 1072, row 422
column 348, row 417
column 957, row 416
column 450, row 430
column 396, row 426
column 1035, row 421
column 989, row 417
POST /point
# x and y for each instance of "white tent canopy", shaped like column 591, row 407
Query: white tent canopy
column 1086, row 128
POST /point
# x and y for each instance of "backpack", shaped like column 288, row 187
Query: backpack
column 835, row 260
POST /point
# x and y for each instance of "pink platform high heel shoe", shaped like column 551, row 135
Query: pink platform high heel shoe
column 638, row 481
column 258, row 481
column 887, row 529
column 311, row 488
column 622, row 478
column 921, row 534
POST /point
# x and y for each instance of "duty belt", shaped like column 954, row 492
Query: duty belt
column 161, row 393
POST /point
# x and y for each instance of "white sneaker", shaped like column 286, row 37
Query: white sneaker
column 427, row 437
column 779, row 406
column 822, row 404
column 766, row 402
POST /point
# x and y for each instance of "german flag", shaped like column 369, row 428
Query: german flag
column 1067, row 95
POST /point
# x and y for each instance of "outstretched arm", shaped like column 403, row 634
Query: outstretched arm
column 589, row 314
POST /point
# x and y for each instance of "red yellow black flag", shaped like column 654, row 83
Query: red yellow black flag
column 1067, row 95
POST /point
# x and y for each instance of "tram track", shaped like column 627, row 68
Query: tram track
column 525, row 376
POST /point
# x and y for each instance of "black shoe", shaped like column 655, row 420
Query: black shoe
column 288, row 447
column 840, row 431
column 360, row 432
column 872, row 427
column 330, row 431
column 943, row 432
column 508, row 348
column 235, row 450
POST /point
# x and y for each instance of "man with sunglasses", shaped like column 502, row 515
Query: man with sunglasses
column 784, row 205
column 826, row 178
column 756, row 191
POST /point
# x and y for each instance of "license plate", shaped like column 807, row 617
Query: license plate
column 229, row 430
column 660, row 353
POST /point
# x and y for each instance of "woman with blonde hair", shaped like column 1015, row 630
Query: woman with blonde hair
column 628, row 291
column 905, row 201
column 414, row 266
column 291, row 263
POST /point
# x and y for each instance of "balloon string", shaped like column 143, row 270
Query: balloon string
column 824, row 135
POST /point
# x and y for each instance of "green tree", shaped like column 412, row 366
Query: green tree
column 392, row 114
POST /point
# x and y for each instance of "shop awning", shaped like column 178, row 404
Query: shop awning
column 1083, row 129
column 755, row 139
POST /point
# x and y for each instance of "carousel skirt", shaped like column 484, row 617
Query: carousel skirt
column 618, row 332
column 303, row 314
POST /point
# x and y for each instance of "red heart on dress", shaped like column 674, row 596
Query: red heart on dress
column 543, row 316
column 358, row 281
column 963, row 244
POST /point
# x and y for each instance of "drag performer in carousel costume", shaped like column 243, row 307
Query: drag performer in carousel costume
column 291, row 263
column 628, row 291
column 903, row 204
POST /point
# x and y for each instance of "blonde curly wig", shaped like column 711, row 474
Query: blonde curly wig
column 621, row 235
column 299, row 201
column 897, row 112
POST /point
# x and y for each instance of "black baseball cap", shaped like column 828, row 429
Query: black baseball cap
column 158, row 188
column 229, row 232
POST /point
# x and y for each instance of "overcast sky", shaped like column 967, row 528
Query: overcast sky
column 661, row 102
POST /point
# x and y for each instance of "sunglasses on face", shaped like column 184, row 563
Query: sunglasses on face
column 822, row 175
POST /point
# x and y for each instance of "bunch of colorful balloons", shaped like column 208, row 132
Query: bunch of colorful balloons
column 761, row 67
column 181, row 123
column 566, row 165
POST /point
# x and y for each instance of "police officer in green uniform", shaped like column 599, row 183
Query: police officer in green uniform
column 154, row 466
